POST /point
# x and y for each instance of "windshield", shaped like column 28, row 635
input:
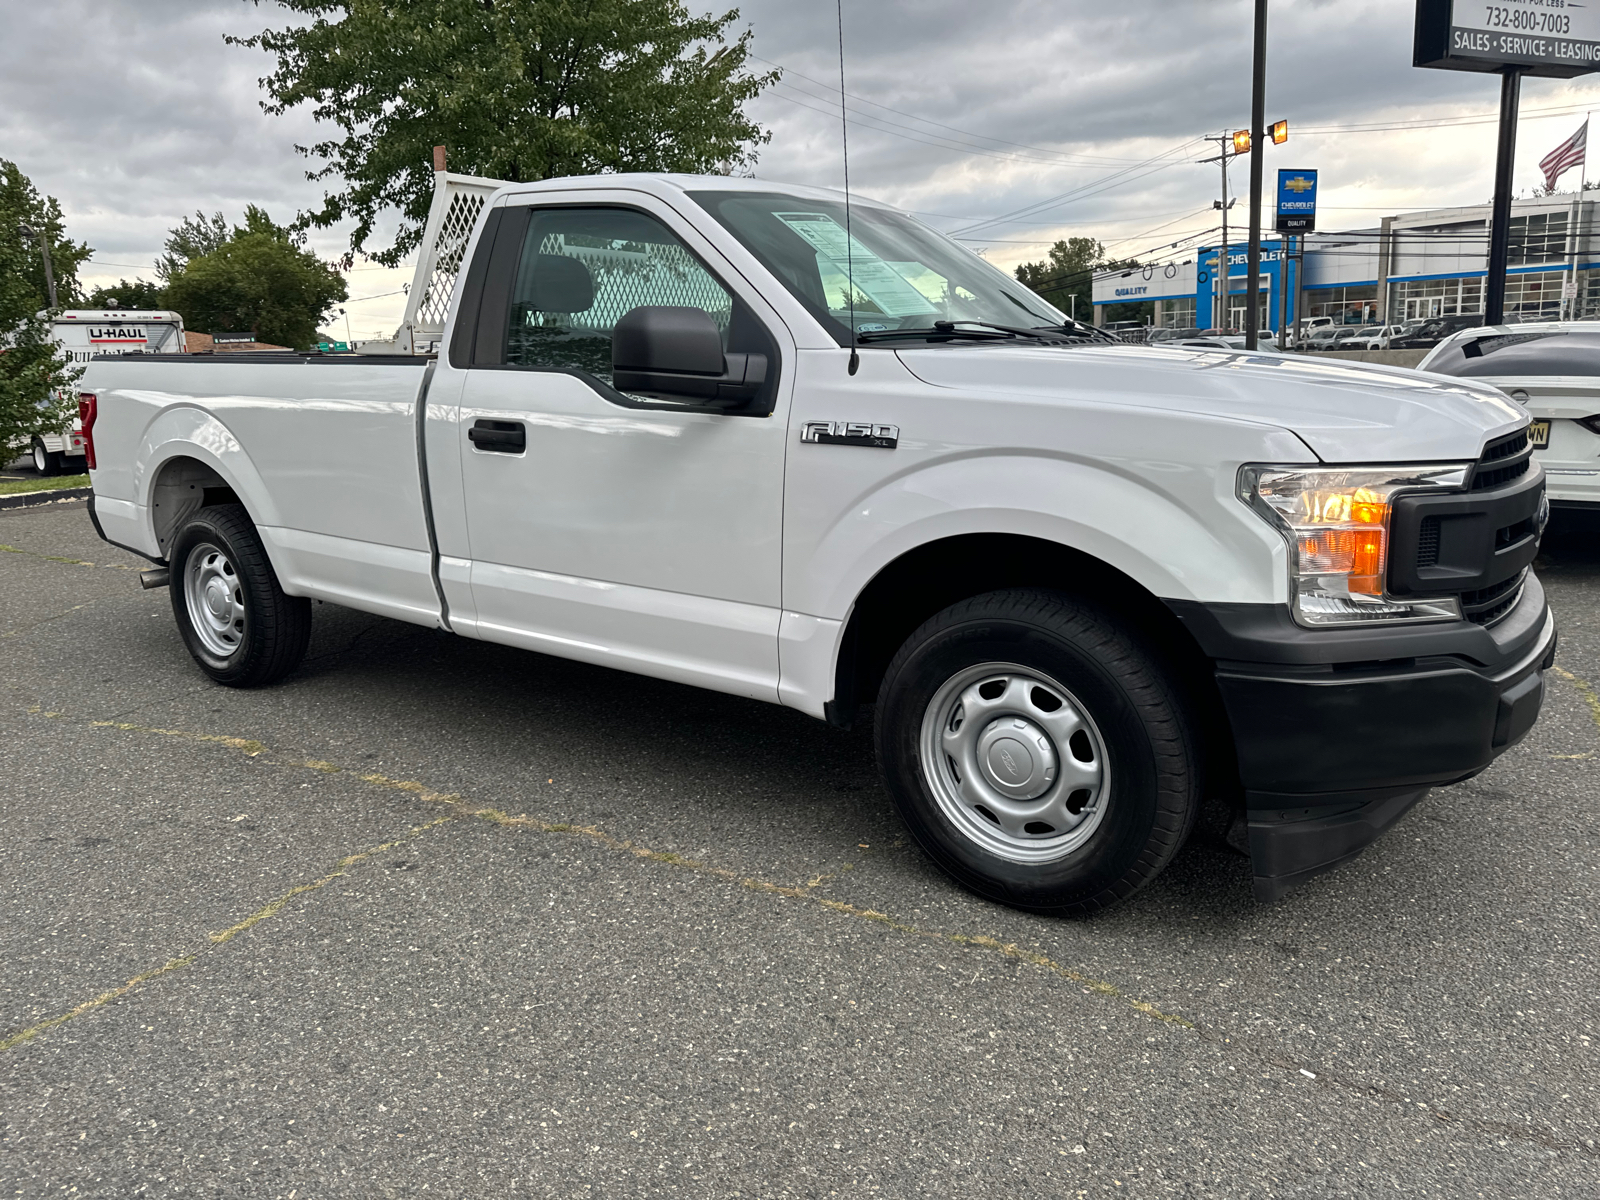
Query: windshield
column 905, row 275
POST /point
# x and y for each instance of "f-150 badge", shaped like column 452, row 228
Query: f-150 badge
column 851, row 433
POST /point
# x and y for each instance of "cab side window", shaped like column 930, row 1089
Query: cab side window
column 580, row 270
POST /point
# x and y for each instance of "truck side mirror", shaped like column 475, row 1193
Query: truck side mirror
column 673, row 351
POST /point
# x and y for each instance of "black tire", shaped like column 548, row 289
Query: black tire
column 46, row 462
column 1152, row 769
column 273, row 630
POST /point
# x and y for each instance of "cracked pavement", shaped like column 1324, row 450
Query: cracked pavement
column 435, row 915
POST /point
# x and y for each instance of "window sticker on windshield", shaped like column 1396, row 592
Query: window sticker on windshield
column 882, row 283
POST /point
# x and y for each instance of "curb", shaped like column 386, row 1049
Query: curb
column 38, row 499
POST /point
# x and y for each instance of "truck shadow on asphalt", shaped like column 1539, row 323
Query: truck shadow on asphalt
column 633, row 747
column 630, row 752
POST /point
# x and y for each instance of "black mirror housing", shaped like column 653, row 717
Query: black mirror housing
column 677, row 351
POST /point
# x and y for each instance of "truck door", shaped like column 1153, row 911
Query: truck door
column 608, row 527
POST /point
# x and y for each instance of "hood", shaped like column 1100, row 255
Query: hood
column 1346, row 412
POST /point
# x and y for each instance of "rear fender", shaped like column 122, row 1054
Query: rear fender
column 191, row 433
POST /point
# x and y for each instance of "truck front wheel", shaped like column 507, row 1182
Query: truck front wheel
column 1037, row 751
column 234, row 617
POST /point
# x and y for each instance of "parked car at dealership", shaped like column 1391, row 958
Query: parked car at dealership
column 1552, row 369
column 1320, row 338
column 1434, row 330
column 1079, row 585
column 1366, row 337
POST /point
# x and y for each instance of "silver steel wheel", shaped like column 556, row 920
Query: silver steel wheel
column 214, row 595
column 1015, row 762
column 41, row 459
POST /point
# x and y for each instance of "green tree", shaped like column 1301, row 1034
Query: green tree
column 259, row 279
column 1065, row 273
column 140, row 294
column 1069, row 271
column 189, row 239
column 517, row 89
column 36, row 379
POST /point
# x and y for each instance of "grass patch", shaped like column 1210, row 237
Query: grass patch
column 42, row 483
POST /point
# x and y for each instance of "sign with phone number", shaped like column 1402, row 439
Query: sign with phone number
column 1547, row 37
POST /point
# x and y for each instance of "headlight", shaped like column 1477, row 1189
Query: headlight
column 1336, row 521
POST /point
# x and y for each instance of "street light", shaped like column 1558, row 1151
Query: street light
column 29, row 235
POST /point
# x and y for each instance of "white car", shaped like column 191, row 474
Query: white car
column 1552, row 369
column 1079, row 584
column 1372, row 337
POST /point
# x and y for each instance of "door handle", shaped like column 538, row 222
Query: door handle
column 499, row 437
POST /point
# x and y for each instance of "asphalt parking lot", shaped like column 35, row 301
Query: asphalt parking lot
column 435, row 917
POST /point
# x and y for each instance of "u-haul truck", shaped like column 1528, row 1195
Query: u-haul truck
column 86, row 333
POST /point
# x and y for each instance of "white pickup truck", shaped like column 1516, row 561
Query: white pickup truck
column 1080, row 585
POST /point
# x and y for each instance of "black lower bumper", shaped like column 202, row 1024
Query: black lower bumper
column 1336, row 738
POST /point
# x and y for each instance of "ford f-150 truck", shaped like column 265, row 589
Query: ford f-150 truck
column 741, row 436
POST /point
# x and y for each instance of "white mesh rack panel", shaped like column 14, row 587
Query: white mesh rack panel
column 457, row 201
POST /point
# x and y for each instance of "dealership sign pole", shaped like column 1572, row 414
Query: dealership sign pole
column 1511, row 38
column 1295, row 216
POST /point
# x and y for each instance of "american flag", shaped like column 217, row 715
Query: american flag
column 1568, row 154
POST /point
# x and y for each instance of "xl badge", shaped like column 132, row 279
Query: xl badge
column 851, row 433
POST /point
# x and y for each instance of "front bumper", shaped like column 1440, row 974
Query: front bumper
column 1336, row 737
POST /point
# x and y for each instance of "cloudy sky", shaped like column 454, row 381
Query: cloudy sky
column 1011, row 122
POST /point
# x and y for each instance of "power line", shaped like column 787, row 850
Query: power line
column 923, row 141
column 1094, row 160
column 1092, row 188
column 1438, row 122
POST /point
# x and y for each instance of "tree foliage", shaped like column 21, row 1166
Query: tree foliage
column 35, row 377
column 138, row 294
column 1069, row 271
column 189, row 239
column 258, row 279
column 516, row 89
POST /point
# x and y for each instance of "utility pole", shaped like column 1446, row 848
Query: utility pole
column 44, row 246
column 1258, row 143
column 1222, row 255
column 1494, row 291
column 1221, row 313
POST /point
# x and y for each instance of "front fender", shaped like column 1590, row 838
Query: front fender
column 1173, row 527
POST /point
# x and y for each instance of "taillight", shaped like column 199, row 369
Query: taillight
column 88, row 410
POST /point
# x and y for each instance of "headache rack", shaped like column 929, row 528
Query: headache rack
column 457, row 202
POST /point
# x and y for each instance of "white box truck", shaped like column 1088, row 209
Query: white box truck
column 88, row 333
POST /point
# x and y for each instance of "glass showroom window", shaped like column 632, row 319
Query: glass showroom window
column 1535, row 296
column 1419, row 299
column 1346, row 305
column 1537, row 238
column 1178, row 314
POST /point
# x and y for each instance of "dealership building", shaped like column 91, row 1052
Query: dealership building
column 1413, row 265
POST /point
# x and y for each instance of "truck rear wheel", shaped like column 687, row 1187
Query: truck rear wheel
column 1037, row 751
column 234, row 617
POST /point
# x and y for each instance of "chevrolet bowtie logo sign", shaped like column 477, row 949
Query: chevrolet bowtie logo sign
column 1299, row 185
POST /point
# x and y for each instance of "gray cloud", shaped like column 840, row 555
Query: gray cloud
column 135, row 115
